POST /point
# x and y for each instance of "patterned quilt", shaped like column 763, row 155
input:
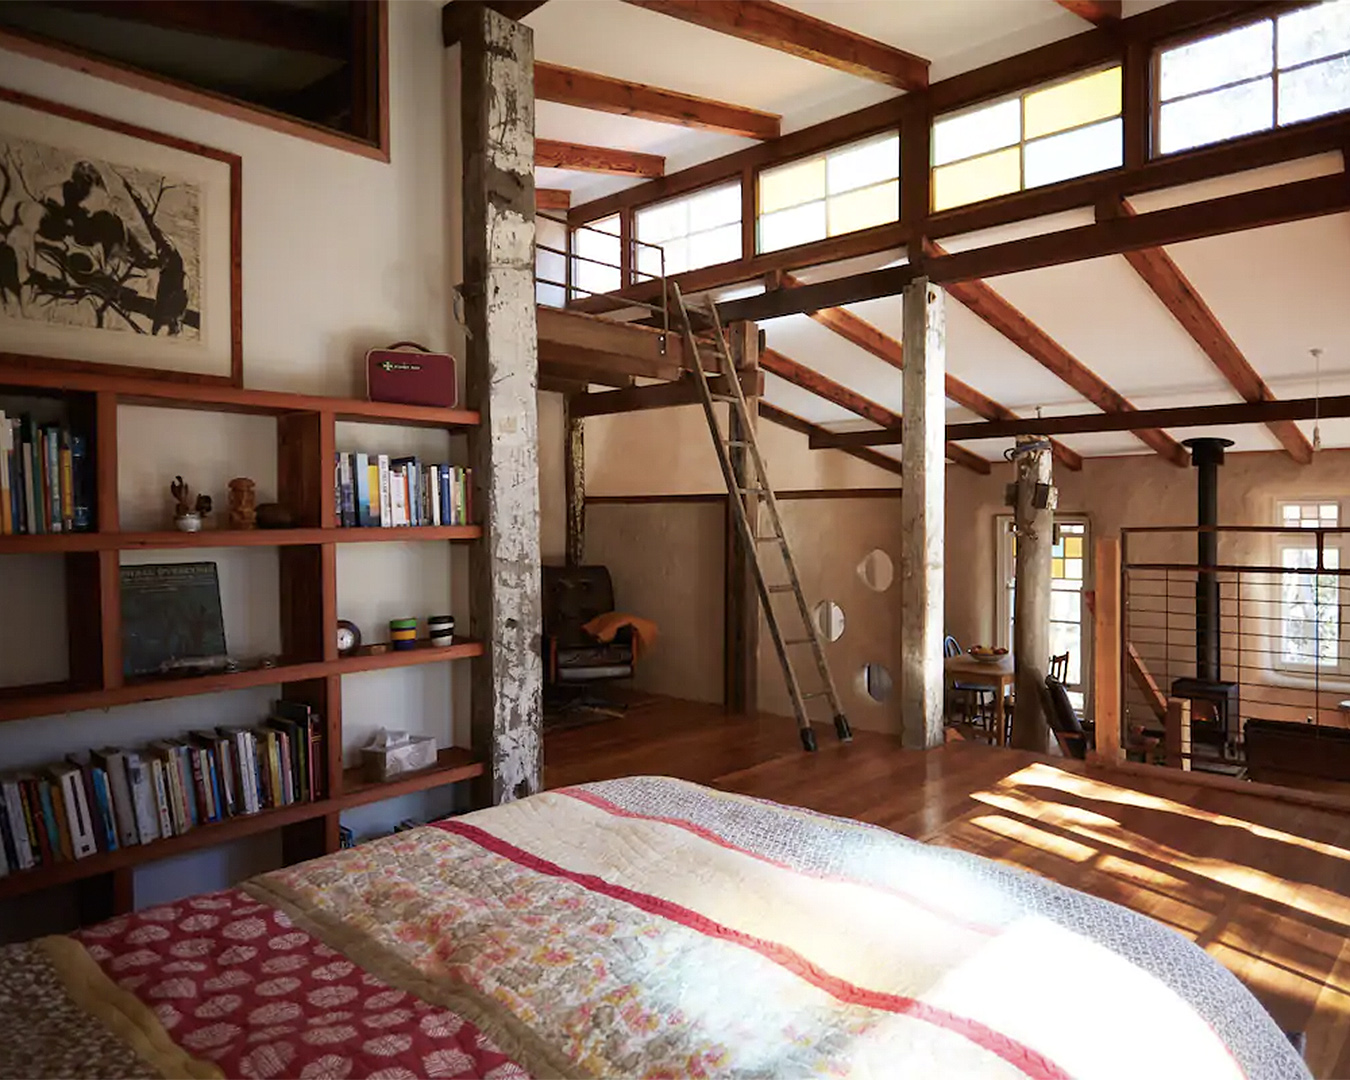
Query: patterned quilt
column 640, row 927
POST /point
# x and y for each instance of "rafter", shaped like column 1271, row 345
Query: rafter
column 995, row 311
column 863, row 334
column 807, row 379
column 666, row 395
column 1178, row 295
column 793, row 422
column 553, row 154
column 552, row 198
column 1097, row 12
column 587, row 90
column 794, row 32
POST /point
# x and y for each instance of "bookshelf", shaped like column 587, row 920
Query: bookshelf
column 309, row 670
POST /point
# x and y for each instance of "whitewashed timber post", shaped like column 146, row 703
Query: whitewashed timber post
column 1034, row 527
column 923, row 515
column 497, row 129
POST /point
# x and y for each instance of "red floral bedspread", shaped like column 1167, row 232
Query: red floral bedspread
column 234, row 981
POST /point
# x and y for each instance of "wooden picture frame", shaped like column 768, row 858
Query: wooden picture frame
column 119, row 247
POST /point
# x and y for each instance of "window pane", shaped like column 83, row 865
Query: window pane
column 865, row 208
column 1315, row 90
column 1314, row 32
column 718, row 246
column 787, row 228
column 791, row 185
column 659, row 223
column 1226, row 58
column 1075, row 153
column 864, row 164
column 599, row 240
column 1067, row 637
column 978, row 132
column 720, row 206
column 1329, row 512
column 649, row 261
column 677, row 255
column 979, row 178
column 1093, row 97
column 1210, row 118
column 1065, row 606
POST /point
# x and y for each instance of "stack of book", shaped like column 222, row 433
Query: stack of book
column 374, row 490
column 45, row 482
column 112, row 798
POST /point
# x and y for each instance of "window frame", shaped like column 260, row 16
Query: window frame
column 1023, row 142
column 883, row 133
column 1285, row 544
column 1217, row 29
column 636, row 274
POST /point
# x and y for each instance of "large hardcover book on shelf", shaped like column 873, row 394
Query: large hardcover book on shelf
column 170, row 614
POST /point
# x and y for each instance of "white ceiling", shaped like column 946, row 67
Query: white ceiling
column 1278, row 291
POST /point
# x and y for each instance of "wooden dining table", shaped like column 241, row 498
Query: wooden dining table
column 996, row 674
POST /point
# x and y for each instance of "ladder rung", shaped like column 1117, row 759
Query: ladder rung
column 748, row 490
column 800, row 641
column 723, row 397
column 775, row 539
column 781, row 588
column 818, row 693
column 735, row 442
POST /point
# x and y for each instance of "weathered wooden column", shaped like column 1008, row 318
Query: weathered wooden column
column 923, row 515
column 740, row 666
column 1034, row 527
column 497, row 116
column 574, row 464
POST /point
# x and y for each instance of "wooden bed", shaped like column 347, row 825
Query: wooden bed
column 644, row 926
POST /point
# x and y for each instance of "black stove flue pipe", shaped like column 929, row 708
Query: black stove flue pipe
column 1207, row 456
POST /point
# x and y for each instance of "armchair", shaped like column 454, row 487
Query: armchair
column 573, row 596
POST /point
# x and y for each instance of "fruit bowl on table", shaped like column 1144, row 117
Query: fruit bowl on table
column 986, row 655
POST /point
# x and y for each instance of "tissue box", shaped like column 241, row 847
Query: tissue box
column 386, row 762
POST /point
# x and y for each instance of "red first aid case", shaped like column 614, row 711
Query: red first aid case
column 409, row 374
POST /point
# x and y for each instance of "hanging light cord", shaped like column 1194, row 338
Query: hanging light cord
column 1317, row 398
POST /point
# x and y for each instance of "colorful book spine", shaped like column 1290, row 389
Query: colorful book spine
column 142, row 799
column 82, row 513
column 373, row 474
column 386, row 507
column 51, row 475
column 361, row 478
column 107, row 823
column 6, row 459
column 32, row 479
column 162, row 809
column 18, row 821
column 67, row 466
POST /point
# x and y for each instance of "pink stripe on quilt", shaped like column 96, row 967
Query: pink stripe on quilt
column 1030, row 1062
column 601, row 803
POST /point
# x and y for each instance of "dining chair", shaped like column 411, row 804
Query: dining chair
column 974, row 706
column 1059, row 668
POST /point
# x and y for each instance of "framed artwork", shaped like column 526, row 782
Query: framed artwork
column 119, row 247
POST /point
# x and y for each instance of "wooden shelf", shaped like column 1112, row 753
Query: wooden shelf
column 18, row 703
column 51, row 543
column 452, row 765
column 183, row 395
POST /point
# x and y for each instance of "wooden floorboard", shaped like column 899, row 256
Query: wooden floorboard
column 1262, row 885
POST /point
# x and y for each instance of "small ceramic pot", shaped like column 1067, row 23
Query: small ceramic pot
column 190, row 522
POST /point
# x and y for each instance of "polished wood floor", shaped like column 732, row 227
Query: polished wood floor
column 1262, row 885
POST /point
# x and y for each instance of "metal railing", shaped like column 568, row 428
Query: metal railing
column 1258, row 643
column 569, row 286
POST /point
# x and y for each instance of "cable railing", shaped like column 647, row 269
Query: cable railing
column 1250, row 654
column 570, row 285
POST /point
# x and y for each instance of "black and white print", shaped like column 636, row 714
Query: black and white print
column 96, row 244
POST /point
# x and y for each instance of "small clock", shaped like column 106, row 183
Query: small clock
column 348, row 637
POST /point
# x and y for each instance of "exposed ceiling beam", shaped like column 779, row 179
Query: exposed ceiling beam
column 1294, row 201
column 1182, row 416
column 568, row 337
column 665, row 395
column 451, row 15
column 804, row 377
column 794, row 32
column 552, row 199
column 1097, row 12
column 582, row 372
column 995, row 311
column 259, row 22
column 863, row 334
column 1178, row 295
column 792, row 422
column 587, row 90
column 565, row 155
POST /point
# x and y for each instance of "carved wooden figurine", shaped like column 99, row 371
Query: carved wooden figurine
column 243, row 503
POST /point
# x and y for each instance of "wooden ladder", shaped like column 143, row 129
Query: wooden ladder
column 757, row 483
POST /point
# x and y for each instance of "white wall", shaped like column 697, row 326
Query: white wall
column 340, row 253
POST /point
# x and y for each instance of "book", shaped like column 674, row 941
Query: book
column 294, row 758
column 9, row 852
column 32, row 481
column 373, row 471
column 346, row 491
column 435, row 494
column 51, row 475
column 142, row 800
column 103, row 811
column 82, row 764
column 82, row 501
column 67, row 480
column 6, row 495
column 161, row 797
column 12, row 797
column 52, row 814
column 113, row 761
column 68, row 791
column 165, row 753
column 386, row 509
column 361, row 478
column 308, row 731
column 398, row 496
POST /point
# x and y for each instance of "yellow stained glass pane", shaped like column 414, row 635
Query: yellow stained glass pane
column 863, row 209
column 1093, row 97
column 1057, row 568
column 791, row 185
column 1073, row 547
column 979, row 178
